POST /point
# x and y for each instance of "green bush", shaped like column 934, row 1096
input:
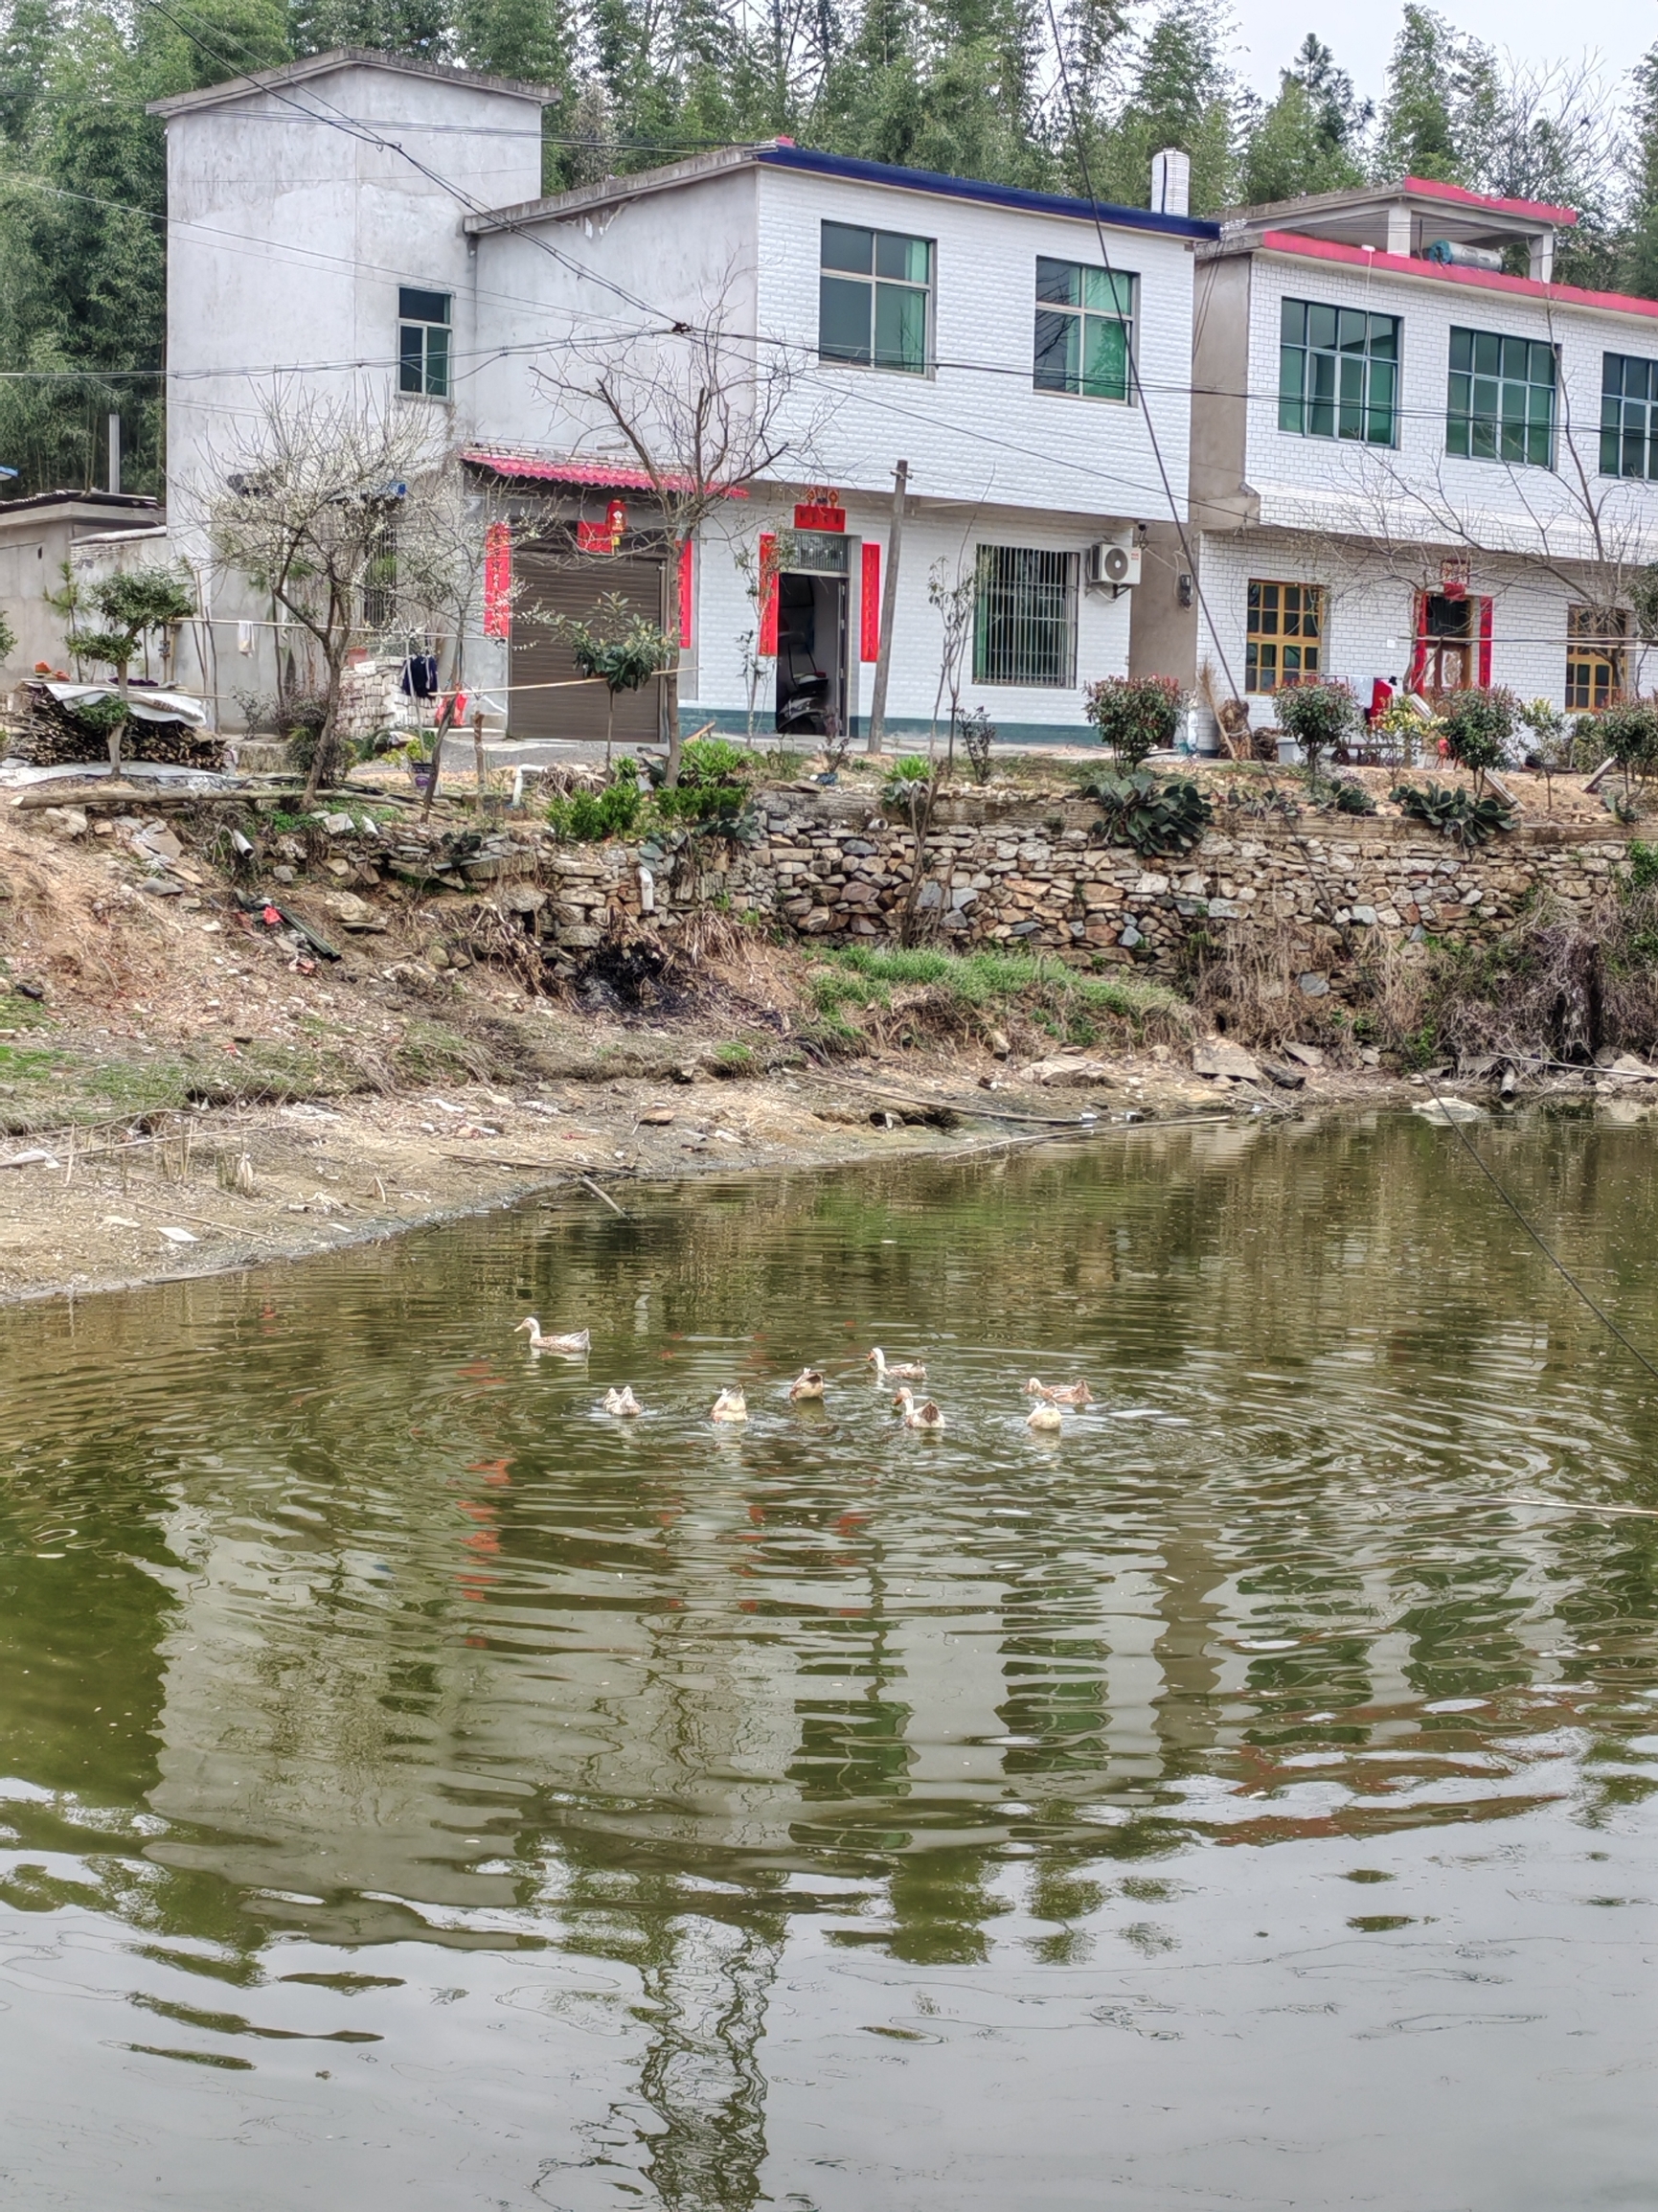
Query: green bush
column 1479, row 724
column 1153, row 813
column 1457, row 814
column 589, row 817
column 1134, row 715
column 1629, row 734
column 1318, row 716
column 1349, row 798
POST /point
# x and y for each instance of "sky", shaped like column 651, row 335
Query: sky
column 1269, row 30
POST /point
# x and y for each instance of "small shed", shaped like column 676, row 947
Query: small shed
column 37, row 536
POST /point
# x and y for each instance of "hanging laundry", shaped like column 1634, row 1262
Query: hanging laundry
column 420, row 678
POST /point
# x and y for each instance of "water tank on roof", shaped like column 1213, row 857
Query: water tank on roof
column 1457, row 257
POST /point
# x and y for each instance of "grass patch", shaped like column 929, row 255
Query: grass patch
column 976, row 987
column 430, row 1052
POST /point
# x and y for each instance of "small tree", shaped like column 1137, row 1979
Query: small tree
column 1134, row 715
column 1629, row 736
column 955, row 601
column 1479, row 724
column 133, row 606
column 978, row 736
column 1550, row 748
column 307, row 511
column 619, row 646
column 1318, row 716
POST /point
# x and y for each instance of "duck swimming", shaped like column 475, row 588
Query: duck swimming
column 729, row 1405
column 1075, row 1393
column 904, row 1371
column 621, row 1400
column 580, row 1342
column 1046, row 1418
column 808, row 1383
column 926, row 1417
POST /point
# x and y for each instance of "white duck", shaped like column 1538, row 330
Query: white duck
column 902, row 1371
column 808, row 1383
column 1075, row 1393
column 1045, row 1417
column 926, row 1417
column 729, row 1405
column 623, row 1401
column 578, row 1342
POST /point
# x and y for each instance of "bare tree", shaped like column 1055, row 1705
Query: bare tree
column 703, row 412
column 957, row 602
column 307, row 509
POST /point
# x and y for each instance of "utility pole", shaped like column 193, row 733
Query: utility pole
column 889, row 608
column 115, row 452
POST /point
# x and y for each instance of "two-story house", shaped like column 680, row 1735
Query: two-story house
column 359, row 223
column 1415, row 456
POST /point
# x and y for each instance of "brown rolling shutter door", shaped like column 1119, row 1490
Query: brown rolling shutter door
column 541, row 656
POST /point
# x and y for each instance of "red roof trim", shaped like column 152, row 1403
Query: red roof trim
column 595, row 475
column 1538, row 210
column 1444, row 272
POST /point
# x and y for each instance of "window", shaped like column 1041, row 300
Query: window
column 873, row 298
column 1084, row 329
column 1629, row 416
column 1338, row 372
column 424, row 342
column 1024, row 616
column 1594, row 657
column 1502, row 399
column 1283, row 635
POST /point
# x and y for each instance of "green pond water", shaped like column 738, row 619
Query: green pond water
column 422, row 1791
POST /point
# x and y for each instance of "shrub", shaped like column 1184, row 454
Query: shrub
column 1134, row 715
column 978, row 736
column 1457, row 814
column 1479, row 724
column 1153, row 813
column 589, row 817
column 1317, row 716
column 1629, row 734
column 707, row 762
column 1350, row 798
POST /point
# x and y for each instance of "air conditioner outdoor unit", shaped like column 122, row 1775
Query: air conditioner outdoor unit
column 1117, row 565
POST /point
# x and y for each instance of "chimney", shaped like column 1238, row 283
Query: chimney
column 1172, row 182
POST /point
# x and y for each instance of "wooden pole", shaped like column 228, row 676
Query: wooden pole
column 889, row 608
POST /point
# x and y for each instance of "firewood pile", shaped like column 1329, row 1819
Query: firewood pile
column 50, row 733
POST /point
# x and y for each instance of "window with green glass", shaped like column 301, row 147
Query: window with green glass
column 1501, row 403
column 1084, row 329
column 1338, row 372
column 875, row 298
column 1629, row 416
column 424, row 342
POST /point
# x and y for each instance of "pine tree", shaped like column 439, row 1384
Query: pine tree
column 1419, row 134
column 1308, row 139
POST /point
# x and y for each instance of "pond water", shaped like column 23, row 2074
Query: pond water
column 420, row 1788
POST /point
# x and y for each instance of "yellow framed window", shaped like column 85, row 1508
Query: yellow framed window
column 1284, row 634
column 1594, row 658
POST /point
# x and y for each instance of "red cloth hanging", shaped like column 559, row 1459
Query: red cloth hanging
column 497, row 580
column 1419, row 650
column 870, row 605
column 685, row 573
column 767, row 592
column 1484, row 643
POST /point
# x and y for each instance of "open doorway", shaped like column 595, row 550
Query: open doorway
column 1453, row 642
column 812, row 637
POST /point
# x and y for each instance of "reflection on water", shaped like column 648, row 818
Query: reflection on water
column 420, row 1784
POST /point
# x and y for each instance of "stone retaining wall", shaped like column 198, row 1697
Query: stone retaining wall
column 1039, row 878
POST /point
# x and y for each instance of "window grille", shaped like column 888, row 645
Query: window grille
column 424, row 342
column 1629, row 416
column 1024, row 616
column 1594, row 657
column 1084, row 329
column 875, row 295
column 1338, row 371
column 1284, row 638
column 1501, row 403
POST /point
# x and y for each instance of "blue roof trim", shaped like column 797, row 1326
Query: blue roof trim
column 1128, row 218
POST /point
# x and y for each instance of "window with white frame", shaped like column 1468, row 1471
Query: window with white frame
column 1024, row 616
column 1084, row 329
column 424, row 342
column 875, row 298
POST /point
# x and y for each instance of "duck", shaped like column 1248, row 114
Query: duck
column 729, row 1405
column 903, row 1371
column 580, row 1342
column 925, row 1417
column 1046, row 1418
column 1075, row 1393
column 808, row 1383
column 621, row 1400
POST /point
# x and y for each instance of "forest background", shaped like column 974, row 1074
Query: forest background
column 1060, row 95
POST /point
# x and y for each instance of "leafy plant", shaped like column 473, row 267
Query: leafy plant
column 133, row 606
column 1350, row 798
column 619, row 646
column 1153, row 813
column 1630, row 734
column 1550, row 748
column 1478, row 726
column 710, row 783
column 1134, row 715
column 1318, row 716
column 1457, row 815
column 978, row 736
column 1642, row 866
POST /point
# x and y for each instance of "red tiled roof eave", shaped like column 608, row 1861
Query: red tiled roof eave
column 1540, row 210
column 592, row 475
column 1303, row 248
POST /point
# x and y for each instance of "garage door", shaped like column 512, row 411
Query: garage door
column 541, row 657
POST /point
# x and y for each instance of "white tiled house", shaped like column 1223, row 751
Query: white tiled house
column 996, row 340
column 1411, row 462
